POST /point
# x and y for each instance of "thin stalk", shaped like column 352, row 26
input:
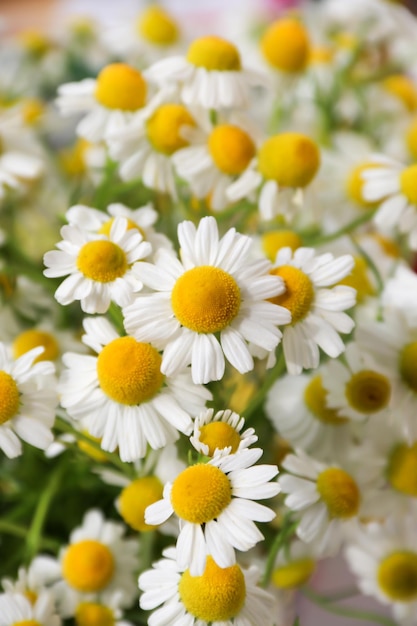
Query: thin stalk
column 273, row 375
column 10, row 528
column 345, row 230
column 286, row 531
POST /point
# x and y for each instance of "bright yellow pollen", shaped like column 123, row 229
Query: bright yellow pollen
column 291, row 159
column 354, row 185
column 298, row 296
column 214, row 53
column 397, row 576
column 339, row 492
column 27, row 622
column 285, row 45
column 134, row 499
column 274, row 240
column 88, row 566
column 200, row 493
column 402, row 88
column 120, row 86
column 408, row 183
column 293, row 574
column 408, row 360
column 106, row 227
column 358, row 279
column 9, row 397
column 205, row 299
column 219, row 435
column 216, row 596
column 102, row 261
column 231, row 148
column 315, row 398
column 157, row 26
column 91, row 614
column 402, row 469
column 368, row 391
column 164, row 127
column 32, row 339
column 411, row 138
column 129, row 372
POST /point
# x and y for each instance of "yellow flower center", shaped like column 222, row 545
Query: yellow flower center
column 91, row 614
column 285, row 45
column 397, row 576
column 129, row 372
column 358, row 279
column 299, row 292
column 32, row 596
column 411, row 138
column 9, row 397
column 216, row 596
column 88, row 566
column 339, row 492
column 32, row 110
column 368, row 391
column 72, row 160
column 214, row 53
column 27, row 622
column 291, row 159
column 408, row 183
column 164, row 127
column 402, row 469
column 320, row 55
column 35, row 42
column 200, row 493
column 274, row 240
column 157, row 26
column 134, row 499
column 120, row 86
column 106, row 227
column 388, row 246
column 315, row 396
column 408, row 370
column 102, row 261
column 219, row 435
column 293, row 574
column 205, row 299
column 354, row 185
column 231, row 148
column 91, row 450
column 30, row 339
column 402, row 88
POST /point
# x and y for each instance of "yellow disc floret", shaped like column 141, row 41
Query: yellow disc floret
column 411, row 138
column 339, row 492
column 408, row 183
column 216, row 596
column 293, row 575
column 106, row 227
column 27, row 622
column 164, row 127
column 397, row 576
column 88, row 566
column 274, row 240
column 157, row 26
column 354, row 185
column 231, row 148
column 315, row 398
column 134, row 499
column 214, row 53
column 408, row 360
column 299, row 292
column 9, row 397
column 205, row 299
column 102, row 261
column 129, row 372
column 285, row 45
column 402, row 469
column 35, row 43
column 368, row 391
column 403, row 89
column 219, row 435
column 359, row 280
column 120, row 86
column 291, row 159
column 200, row 493
column 32, row 339
column 92, row 614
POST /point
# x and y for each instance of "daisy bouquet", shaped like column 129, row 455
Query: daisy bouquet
column 208, row 320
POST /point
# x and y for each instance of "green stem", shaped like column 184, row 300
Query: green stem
column 271, row 377
column 345, row 230
column 371, row 265
column 16, row 530
column 116, row 318
column 286, row 531
column 146, row 549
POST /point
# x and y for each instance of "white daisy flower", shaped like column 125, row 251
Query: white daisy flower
column 221, row 433
column 16, row 609
column 121, row 395
column 98, row 562
column 28, row 401
column 316, row 305
column 36, row 578
column 400, row 292
column 211, row 74
column 214, row 503
column 101, row 613
column 219, row 596
column 101, row 267
column 207, row 307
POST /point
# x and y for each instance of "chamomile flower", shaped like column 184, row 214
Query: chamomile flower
column 211, row 74
column 54, row 342
column 214, row 502
column 285, row 46
column 28, row 401
column 122, row 397
column 316, row 305
column 294, row 567
column 17, row 610
column 284, row 166
column 101, row 267
column 36, row 578
column 97, row 562
column 221, row 433
column 101, row 613
column 228, row 596
column 207, row 307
